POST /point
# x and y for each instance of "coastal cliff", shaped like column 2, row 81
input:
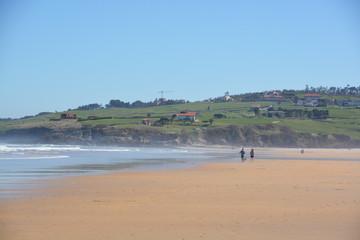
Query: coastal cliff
column 270, row 135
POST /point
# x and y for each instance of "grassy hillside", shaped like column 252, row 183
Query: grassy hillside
column 342, row 120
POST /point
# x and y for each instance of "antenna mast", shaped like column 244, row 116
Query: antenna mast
column 162, row 93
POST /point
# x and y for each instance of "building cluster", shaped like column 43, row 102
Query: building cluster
column 315, row 100
column 225, row 98
column 183, row 116
column 310, row 100
column 273, row 96
column 349, row 103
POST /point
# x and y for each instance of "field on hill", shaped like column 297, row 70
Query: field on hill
column 341, row 120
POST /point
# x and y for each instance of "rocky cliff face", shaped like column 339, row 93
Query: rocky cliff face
column 270, row 135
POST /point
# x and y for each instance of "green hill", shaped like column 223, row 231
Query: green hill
column 343, row 121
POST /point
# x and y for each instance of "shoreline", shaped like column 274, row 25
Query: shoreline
column 276, row 199
column 201, row 155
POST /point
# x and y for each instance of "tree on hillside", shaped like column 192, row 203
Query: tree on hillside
column 249, row 97
column 173, row 117
column 347, row 90
column 92, row 106
column 138, row 104
column 117, row 104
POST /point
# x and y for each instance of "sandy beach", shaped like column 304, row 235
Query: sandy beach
column 264, row 199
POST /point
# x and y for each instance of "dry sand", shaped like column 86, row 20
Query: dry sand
column 264, row 199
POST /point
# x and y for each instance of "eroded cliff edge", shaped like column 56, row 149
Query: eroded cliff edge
column 270, row 135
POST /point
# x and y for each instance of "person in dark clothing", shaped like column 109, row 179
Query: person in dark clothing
column 242, row 154
column 252, row 154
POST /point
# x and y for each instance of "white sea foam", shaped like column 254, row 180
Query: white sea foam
column 12, row 148
column 49, row 151
column 38, row 148
column 108, row 150
column 14, row 157
column 57, row 148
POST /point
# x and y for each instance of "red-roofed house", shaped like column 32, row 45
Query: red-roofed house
column 68, row 116
column 311, row 100
column 273, row 96
column 312, row 96
column 146, row 122
column 185, row 115
column 253, row 107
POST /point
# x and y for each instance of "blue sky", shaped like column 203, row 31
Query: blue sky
column 56, row 55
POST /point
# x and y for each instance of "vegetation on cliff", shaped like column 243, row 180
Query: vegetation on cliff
column 235, row 122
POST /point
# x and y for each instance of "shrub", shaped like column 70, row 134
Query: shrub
column 220, row 115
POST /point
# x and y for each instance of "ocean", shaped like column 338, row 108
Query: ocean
column 23, row 166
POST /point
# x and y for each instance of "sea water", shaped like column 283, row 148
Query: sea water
column 22, row 167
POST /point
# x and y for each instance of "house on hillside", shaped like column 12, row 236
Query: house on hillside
column 312, row 103
column 226, row 98
column 332, row 101
column 160, row 101
column 253, row 107
column 146, row 122
column 300, row 103
column 273, row 96
column 68, row 116
column 312, row 96
column 312, row 100
column 187, row 116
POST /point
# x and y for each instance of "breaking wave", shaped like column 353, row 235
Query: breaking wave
column 41, row 151
column 9, row 148
column 56, row 148
column 24, row 157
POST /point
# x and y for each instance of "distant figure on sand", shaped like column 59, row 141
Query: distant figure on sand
column 302, row 151
column 252, row 154
column 242, row 154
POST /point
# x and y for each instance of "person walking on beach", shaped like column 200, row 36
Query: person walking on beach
column 252, row 154
column 242, row 154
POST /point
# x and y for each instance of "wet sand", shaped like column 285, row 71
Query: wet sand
column 264, row 199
